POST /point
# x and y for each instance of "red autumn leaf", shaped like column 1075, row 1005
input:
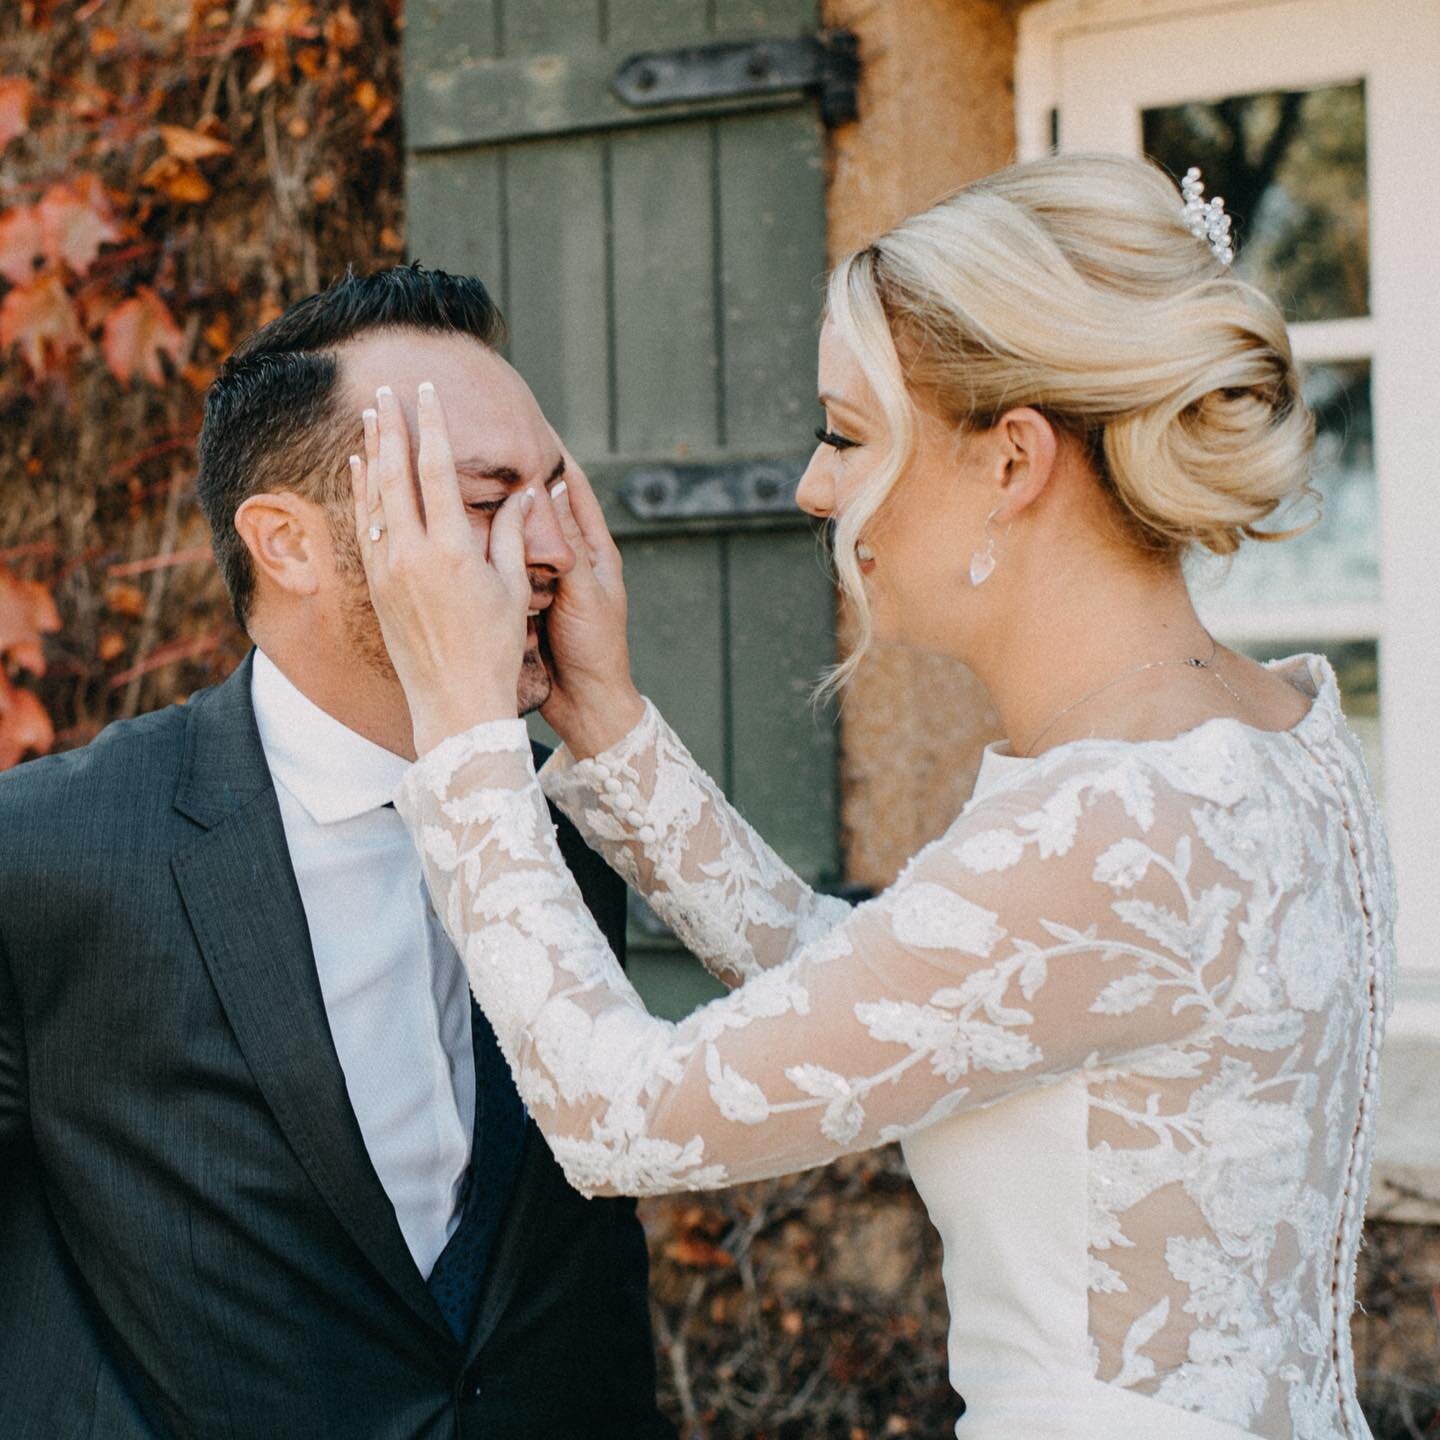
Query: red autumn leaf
column 137, row 333
column 186, row 144
column 40, row 318
column 75, row 220
column 700, row 1254
column 24, row 725
column 16, row 93
column 181, row 180
column 21, row 241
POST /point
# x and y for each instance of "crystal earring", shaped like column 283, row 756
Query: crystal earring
column 982, row 562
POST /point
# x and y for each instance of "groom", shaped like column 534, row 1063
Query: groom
column 263, row 1172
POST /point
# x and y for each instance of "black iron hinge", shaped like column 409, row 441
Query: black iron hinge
column 827, row 64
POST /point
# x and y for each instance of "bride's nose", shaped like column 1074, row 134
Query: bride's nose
column 816, row 492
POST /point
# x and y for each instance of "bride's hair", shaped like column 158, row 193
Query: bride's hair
column 1072, row 284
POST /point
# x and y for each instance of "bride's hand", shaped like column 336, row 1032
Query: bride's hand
column 452, row 616
column 593, row 701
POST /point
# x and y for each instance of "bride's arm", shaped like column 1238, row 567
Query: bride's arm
column 664, row 826
column 948, row 992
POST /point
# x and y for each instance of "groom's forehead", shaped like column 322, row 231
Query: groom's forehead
column 486, row 402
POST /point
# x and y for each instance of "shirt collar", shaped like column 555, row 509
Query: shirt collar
column 335, row 773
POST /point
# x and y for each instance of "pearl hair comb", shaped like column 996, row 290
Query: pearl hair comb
column 1206, row 219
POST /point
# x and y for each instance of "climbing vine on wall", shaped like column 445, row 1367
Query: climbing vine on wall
column 172, row 174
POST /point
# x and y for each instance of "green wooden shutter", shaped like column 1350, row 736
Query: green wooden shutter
column 661, row 272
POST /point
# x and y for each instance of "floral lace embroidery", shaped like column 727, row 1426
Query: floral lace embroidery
column 1199, row 928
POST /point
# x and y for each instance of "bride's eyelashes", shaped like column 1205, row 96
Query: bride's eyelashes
column 834, row 439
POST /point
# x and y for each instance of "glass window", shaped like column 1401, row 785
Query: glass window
column 1291, row 167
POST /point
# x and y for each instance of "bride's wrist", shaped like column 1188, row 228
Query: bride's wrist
column 601, row 721
column 433, row 724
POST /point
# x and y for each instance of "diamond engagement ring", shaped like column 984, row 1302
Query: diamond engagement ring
column 376, row 531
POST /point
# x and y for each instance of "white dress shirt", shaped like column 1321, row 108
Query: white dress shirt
column 395, row 991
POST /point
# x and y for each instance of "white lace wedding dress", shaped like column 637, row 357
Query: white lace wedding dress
column 1125, row 1015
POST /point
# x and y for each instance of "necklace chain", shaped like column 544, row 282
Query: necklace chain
column 1194, row 662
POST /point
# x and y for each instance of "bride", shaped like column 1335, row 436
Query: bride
column 1125, row 1013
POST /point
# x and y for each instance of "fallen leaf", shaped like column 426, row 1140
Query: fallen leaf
column 111, row 647
column 27, row 611
column 40, row 318
column 367, row 97
column 186, row 144
column 391, row 239
column 16, row 94
column 125, row 600
column 103, row 39
column 180, row 180
column 322, row 189
column 75, row 221
column 698, row 1253
column 20, row 242
column 137, row 333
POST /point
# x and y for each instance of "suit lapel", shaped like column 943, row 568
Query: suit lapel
column 244, row 905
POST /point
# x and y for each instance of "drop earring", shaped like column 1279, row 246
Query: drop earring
column 982, row 562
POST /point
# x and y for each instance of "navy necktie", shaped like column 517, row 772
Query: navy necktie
column 499, row 1136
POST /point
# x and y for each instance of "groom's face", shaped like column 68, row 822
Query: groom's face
column 501, row 443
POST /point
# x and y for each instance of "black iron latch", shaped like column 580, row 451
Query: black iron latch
column 827, row 63
column 732, row 490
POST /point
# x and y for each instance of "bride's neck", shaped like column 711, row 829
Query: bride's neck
column 1060, row 631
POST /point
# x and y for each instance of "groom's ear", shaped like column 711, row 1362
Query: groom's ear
column 287, row 540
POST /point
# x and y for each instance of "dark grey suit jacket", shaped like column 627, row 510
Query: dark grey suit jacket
column 193, row 1241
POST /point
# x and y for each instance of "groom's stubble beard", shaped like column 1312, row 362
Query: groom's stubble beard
column 366, row 644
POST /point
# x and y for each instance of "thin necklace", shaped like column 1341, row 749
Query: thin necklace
column 1194, row 662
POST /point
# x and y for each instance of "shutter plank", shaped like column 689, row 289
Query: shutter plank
column 664, row 318
column 533, row 26
column 658, row 24
column 456, row 208
column 443, row 33
column 783, row 752
column 557, row 285
column 772, row 217
column 676, row 588
column 764, row 17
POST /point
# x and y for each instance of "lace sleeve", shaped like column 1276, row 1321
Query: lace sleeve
column 1060, row 924
column 666, row 829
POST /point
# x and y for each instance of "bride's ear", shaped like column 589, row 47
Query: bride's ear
column 1027, row 447
column 279, row 530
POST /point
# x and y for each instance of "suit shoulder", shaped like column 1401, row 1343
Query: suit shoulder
column 124, row 755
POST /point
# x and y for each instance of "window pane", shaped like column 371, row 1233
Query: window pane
column 1291, row 168
column 1337, row 562
column 1357, row 668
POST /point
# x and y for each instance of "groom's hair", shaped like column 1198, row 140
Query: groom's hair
column 275, row 417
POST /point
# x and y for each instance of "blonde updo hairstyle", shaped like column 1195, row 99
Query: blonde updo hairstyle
column 1072, row 284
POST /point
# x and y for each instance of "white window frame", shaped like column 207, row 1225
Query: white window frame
column 1098, row 64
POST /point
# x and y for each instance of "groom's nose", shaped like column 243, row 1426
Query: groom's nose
column 545, row 544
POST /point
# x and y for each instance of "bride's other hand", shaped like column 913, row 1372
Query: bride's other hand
column 593, row 701
column 452, row 616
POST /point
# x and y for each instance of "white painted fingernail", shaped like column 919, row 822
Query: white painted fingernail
column 526, row 501
column 427, row 390
column 558, row 490
column 369, row 416
column 384, row 390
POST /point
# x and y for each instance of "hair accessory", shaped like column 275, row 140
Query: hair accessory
column 1206, row 219
column 982, row 562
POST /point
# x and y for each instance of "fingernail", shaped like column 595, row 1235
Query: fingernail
column 558, row 490
column 527, row 500
column 427, row 390
column 369, row 417
column 384, row 391
column 355, row 465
